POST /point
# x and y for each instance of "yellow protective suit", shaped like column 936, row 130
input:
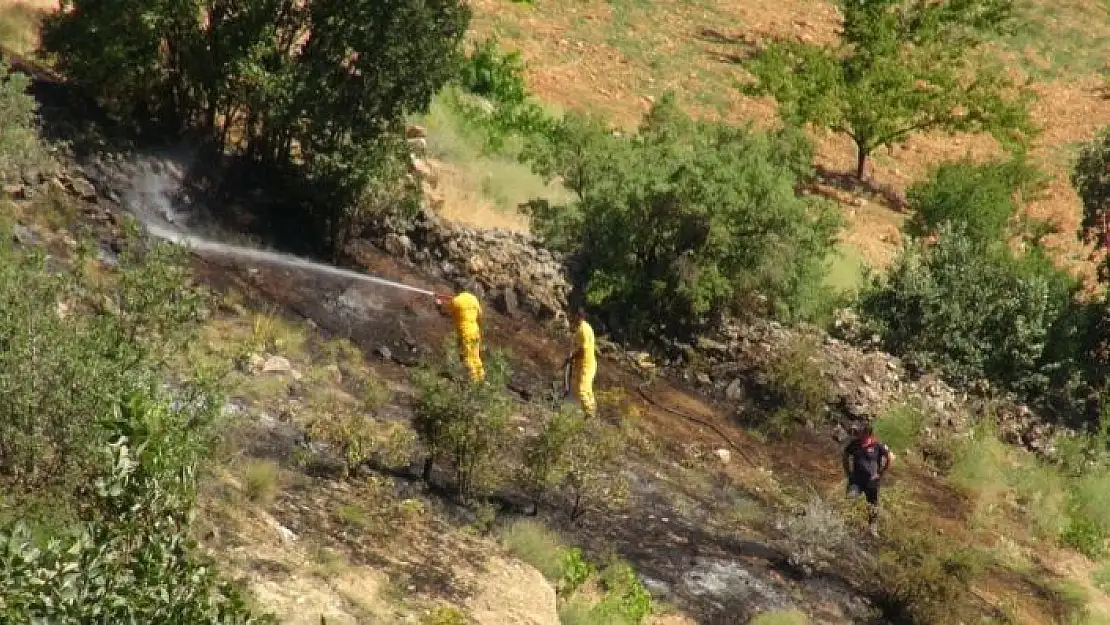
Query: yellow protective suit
column 585, row 368
column 465, row 310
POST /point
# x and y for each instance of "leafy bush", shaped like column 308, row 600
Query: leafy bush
column 577, row 456
column 132, row 561
column 1085, row 536
column 795, row 378
column 978, row 311
column 71, row 347
column 625, row 596
column 684, row 220
column 980, row 197
column 19, row 141
column 464, row 424
column 1091, row 179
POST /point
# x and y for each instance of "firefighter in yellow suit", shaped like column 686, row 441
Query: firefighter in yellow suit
column 584, row 359
column 465, row 310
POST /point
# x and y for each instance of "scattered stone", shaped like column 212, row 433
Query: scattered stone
column 277, row 364
column 724, row 454
column 418, row 145
column 15, row 191
column 704, row 379
column 83, row 189
column 23, row 235
column 506, row 301
column 384, row 352
column 735, row 390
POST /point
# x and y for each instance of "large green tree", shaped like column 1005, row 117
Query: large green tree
column 683, row 220
column 316, row 90
column 901, row 67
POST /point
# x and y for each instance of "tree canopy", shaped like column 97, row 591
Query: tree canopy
column 679, row 222
column 314, row 89
column 902, row 67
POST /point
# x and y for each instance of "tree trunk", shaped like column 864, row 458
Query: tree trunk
column 862, row 152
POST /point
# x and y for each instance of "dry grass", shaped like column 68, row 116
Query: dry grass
column 19, row 23
column 616, row 56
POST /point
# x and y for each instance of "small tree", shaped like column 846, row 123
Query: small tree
column 981, row 198
column 464, row 423
column 576, row 456
column 902, row 67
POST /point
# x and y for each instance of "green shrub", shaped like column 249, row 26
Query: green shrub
column 625, row 596
column 900, row 426
column 576, row 571
column 131, row 562
column 1085, row 536
column 1101, row 578
column 980, row 197
column 795, row 378
column 19, row 142
column 684, row 220
column 70, row 347
column 445, row 615
column 577, row 457
column 978, row 311
column 464, row 424
column 261, row 481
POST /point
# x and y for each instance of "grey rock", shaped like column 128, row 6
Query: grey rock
column 23, row 235
column 83, row 189
column 506, row 302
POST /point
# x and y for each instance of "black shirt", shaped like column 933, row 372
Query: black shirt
column 866, row 457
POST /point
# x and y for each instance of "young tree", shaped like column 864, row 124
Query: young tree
column 902, row 67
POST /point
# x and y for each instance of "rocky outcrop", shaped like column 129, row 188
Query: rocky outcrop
column 864, row 382
column 509, row 269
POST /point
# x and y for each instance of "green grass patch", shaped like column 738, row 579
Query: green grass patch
column 498, row 178
column 260, row 480
column 780, row 617
column 537, row 546
column 900, row 427
column 847, row 269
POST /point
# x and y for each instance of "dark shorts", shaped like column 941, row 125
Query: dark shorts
column 870, row 490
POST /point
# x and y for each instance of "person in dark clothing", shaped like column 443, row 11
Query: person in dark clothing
column 865, row 460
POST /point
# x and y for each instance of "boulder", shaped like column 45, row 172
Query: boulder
column 512, row 593
column 83, row 189
column 506, row 302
